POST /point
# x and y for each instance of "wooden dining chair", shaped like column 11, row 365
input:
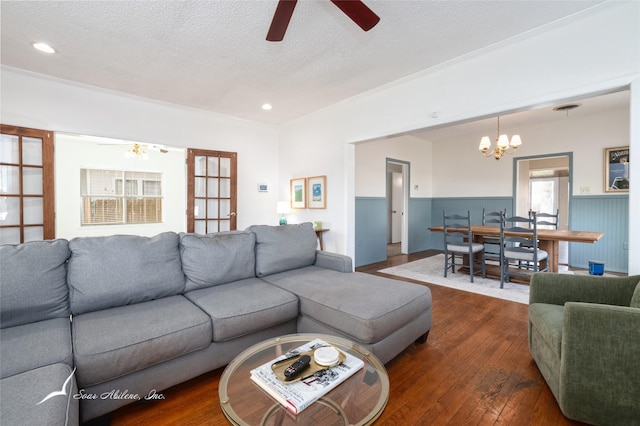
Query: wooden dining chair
column 492, row 244
column 548, row 219
column 459, row 243
column 521, row 249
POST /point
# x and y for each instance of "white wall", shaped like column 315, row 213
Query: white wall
column 72, row 154
column 584, row 135
column 370, row 170
column 595, row 52
column 34, row 101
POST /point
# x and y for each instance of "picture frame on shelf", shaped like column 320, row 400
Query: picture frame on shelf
column 317, row 190
column 299, row 193
column 616, row 169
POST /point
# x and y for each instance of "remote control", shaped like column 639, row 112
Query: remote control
column 297, row 367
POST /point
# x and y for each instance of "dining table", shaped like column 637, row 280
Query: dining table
column 548, row 239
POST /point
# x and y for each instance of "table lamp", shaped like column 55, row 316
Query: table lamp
column 283, row 208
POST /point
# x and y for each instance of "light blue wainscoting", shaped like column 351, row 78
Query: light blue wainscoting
column 371, row 230
column 608, row 214
column 419, row 219
column 460, row 205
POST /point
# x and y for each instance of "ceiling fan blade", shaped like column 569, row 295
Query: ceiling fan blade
column 281, row 19
column 358, row 12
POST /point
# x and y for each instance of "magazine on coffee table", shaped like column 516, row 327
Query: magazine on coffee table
column 316, row 381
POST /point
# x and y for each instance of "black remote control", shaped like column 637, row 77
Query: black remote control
column 297, row 367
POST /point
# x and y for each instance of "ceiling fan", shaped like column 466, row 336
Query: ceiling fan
column 354, row 9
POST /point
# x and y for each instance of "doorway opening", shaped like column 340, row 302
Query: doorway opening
column 397, row 207
column 543, row 185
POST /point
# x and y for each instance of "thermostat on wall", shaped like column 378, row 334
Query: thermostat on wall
column 263, row 187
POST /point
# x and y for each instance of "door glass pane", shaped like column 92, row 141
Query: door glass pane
column 32, row 181
column 32, row 151
column 200, row 165
column 225, row 188
column 9, row 179
column 199, row 227
column 225, row 225
column 33, row 210
column 9, row 149
column 199, row 208
column 212, row 226
column 9, row 235
column 10, row 211
column 213, row 166
column 225, row 167
column 212, row 212
column 212, row 188
column 225, row 208
column 200, row 187
column 33, row 233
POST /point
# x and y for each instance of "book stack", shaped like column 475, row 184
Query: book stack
column 296, row 395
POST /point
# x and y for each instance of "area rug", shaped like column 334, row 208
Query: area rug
column 431, row 271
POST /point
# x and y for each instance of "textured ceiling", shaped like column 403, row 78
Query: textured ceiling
column 212, row 55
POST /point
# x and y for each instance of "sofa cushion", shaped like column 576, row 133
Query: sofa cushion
column 22, row 394
column 635, row 299
column 344, row 301
column 33, row 282
column 547, row 319
column 34, row 345
column 148, row 333
column 213, row 259
column 280, row 248
column 106, row 272
column 244, row 307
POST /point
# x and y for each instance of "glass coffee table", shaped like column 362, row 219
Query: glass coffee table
column 359, row 400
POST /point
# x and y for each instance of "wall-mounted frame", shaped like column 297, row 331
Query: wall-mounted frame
column 299, row 193
column 616, row 169
column 317, row 190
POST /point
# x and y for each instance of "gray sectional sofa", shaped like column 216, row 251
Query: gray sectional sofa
column 106, row 321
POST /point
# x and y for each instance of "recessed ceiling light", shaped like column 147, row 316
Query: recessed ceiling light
column 266, row 107
column 44, row 47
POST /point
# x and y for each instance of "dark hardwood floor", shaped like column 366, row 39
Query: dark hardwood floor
column 475, row 369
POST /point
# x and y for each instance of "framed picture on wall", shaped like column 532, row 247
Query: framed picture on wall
column 317, row 188
column 616, row 169
column 298, row 193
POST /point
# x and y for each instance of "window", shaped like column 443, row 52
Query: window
column 120, row 197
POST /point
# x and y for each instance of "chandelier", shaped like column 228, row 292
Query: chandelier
column 137, row 151
column 502, row 144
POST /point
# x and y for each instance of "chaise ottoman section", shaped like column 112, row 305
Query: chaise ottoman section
column 23, row 394
column 365, row 307
column 244, row 307
column 148, row 333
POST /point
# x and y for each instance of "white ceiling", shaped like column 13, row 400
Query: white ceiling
column 212, row 55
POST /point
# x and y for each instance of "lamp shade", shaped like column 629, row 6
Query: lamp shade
column 485, row 143
column 282, row 207
column 503, row 141
column 516, row 141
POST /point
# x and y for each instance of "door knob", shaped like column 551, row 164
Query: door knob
column 232, row 214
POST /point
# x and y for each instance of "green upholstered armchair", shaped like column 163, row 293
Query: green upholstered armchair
column 584, row 335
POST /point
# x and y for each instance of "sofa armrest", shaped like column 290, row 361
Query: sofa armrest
column 335, row 261
column 599, row 377
column 557, row 289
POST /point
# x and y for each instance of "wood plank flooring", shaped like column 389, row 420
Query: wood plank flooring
column 475, row 369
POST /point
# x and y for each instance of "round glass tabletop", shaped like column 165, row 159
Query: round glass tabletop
column 359, row 400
